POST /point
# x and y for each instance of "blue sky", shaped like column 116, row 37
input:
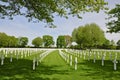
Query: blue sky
column 20, row 26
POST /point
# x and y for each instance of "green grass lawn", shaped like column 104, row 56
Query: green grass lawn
column 53, row 67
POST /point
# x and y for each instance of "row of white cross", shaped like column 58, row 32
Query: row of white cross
column 40, row 58
column 22, row 53
column 10, row 53
column 96, row 54
column 68, row 58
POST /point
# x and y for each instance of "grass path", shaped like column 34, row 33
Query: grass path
column 57, row 69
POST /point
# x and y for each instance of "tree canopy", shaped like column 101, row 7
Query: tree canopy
column 89, row 35
column 22, row 41
column 74, row 34
column 114, row 19
column 118, row 42
column 64, row 41
column 8, row 41
column 37, row 42
column 68, row 40
column 45, row 10
column 48, row 41
column 61, row 41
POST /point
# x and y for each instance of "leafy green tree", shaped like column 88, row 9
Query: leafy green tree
column 68, row 40
column 8, row 41
column 114, row 19
column 22, row 41
column 3, row 40
column 37, row 42
column 89, row 35
column 48, row 41
column 112, row 44
column 12, row 41
column 74, row 35
column 44, row 10
column 118, row 43
column 61, row 42
column 106, row 44
column 79, row 36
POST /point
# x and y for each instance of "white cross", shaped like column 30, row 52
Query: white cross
column 98, row 55
column 94, row 57
column 115, row 64
column 103, row 57
column 75, row 63
column 70, row 60
column 34, row 64
column 89, row 56
column 2, row 59
column 11, row 57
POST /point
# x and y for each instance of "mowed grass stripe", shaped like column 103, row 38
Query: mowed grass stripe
column 54, row 67
column 54, row 59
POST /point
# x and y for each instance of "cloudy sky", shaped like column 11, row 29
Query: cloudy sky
column 20, row 26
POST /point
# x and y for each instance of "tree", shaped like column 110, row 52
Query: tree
column 45, row 10
column 89, row 35
column 68, row 40
column 64, row 41
column 3, row 40
column 118, row 43
column 61, row 42
column 74, row 35
column 114, row 17
column 37, row 42
column 112, row 44
column 12, row 41
column 8, row 41
column 79, row 36
column 106, row 44
column 48, row 41
column 22, row 41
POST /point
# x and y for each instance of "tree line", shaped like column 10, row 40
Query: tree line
column 12, row 41
column 46, row 41
column 87, row 36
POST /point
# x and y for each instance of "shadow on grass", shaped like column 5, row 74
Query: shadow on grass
column 97, row 71
column 22, row 70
